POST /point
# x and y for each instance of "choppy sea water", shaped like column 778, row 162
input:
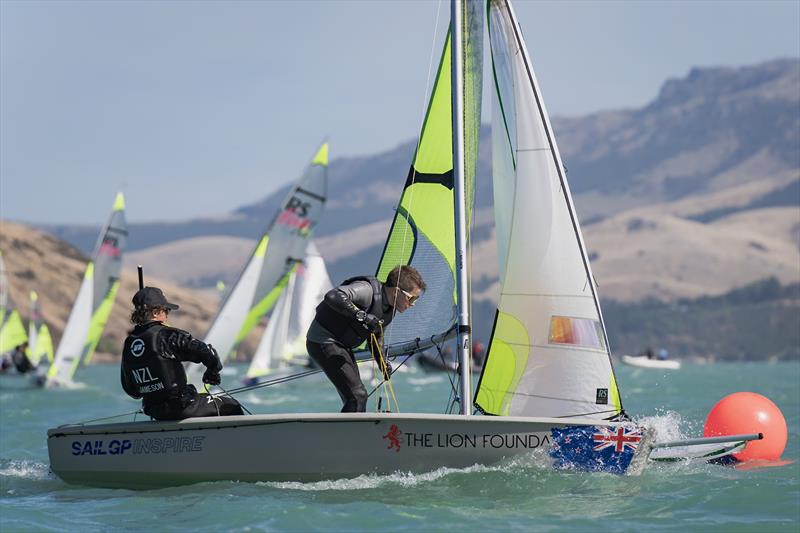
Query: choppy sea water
column 523, row 495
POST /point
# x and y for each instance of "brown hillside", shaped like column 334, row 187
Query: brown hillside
column 38, row 261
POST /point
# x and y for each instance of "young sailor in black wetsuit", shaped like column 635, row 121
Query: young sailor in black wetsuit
column 20, row 359
column 152, row 364
column 348, row 316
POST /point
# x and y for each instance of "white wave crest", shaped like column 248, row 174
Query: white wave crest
column 25, row 469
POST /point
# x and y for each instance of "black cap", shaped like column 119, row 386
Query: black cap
column 152, row 297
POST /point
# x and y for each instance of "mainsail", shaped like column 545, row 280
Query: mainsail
column 423, row 230
column 284, row 340
column 271, row 264
column 548, row 355
column 95, row 299
column 40, row 344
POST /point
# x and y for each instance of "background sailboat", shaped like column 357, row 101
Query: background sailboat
column 284, row 342
column 94, row 301
column 271, row 264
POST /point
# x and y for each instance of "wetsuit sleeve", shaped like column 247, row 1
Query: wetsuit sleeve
column 183, row 347
column 348, row 299
column 127, row 386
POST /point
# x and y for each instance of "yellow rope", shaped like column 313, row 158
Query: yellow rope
column 384, row 370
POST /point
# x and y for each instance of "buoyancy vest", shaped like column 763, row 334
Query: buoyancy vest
column 147, row 372
column 348, row 330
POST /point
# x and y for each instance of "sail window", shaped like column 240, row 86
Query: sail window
column 583, row 332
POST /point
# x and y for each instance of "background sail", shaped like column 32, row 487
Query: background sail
column 95, row 298
column 548, row 355
column 284, row 340
column 272, row 262
column 40, row 345
column 12, row 332
column 3, row 290
column 270, row 349
column 423, row 231
column 312, row 282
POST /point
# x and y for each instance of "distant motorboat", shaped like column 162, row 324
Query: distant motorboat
column 643, row 361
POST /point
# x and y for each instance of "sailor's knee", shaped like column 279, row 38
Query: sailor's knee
column 360, row 397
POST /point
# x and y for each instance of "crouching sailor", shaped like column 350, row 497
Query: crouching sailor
column 152, row 364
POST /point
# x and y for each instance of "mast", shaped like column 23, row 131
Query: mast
column 462, row 285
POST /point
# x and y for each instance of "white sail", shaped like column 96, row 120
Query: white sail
column 284, row 340
column 94, row 301
column 226, row 326
column 313, row 281
column 70, row 347
column 264, row 278
column 271, row 347
column 548, row 355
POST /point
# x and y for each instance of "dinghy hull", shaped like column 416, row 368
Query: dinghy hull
column 644, row 362
column 299, row 447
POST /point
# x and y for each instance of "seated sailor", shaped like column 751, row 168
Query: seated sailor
column 152, row 364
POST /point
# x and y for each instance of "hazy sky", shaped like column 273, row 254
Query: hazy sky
column 195, row 108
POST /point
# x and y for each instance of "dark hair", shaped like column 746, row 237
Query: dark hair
column 406, row 277
column 144, row 314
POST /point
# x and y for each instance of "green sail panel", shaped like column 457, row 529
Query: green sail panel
column 12, row 333
column 548, row 355
column 4, row 290
column 42, row 351
column 423, row 232
column 94, row 301
column 273, row 260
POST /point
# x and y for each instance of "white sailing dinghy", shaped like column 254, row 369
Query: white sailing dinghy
column 271, row 265
column 283, row 346
column 552, row 326
column 93, row 304
column 642, row 361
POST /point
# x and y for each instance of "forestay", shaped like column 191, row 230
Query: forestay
column 95, row 299
column 271, row 264
column 548, row 355
column 423, row 230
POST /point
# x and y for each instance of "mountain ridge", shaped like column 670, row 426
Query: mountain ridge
column 718, row 143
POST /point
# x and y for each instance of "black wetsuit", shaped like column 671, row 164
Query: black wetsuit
column 152, row 370
column 335, row 331
column 21, row 362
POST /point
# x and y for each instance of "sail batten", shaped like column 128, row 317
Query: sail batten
column 548, row 355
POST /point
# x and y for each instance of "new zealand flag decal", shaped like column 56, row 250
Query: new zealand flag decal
column 595, row 448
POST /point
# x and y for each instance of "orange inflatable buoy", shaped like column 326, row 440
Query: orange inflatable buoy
column 748, row 412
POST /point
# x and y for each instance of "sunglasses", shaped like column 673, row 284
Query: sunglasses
column 411, row 298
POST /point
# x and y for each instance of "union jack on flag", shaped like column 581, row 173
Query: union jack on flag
column 619, row 438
